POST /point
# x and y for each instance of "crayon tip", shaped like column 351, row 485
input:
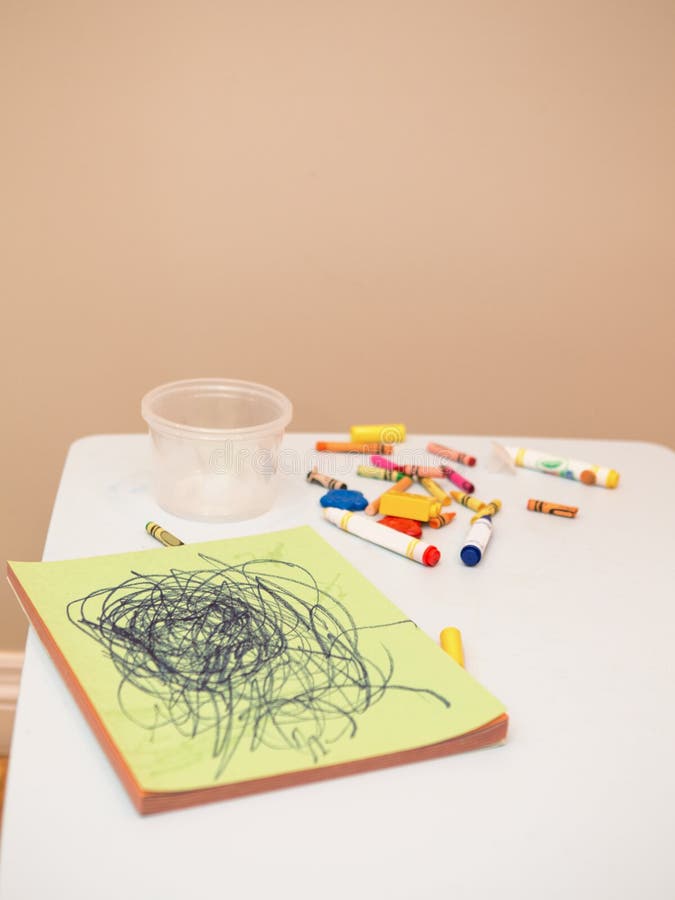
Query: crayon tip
column 451, row 642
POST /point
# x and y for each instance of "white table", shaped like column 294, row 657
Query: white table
column 569, row 622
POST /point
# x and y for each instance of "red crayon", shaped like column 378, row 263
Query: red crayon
column 458, row 479
column 407, row 526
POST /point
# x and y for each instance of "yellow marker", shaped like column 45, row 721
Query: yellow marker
column 386, row 434
column 409, row 506
column 401, row 485
column 162, row 535
column 436, row 491
column 489, row 509
column 451, row 642
column 467, row 500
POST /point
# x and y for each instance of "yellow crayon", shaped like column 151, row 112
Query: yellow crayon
column 489, row 509
column 451, row 642
column 409, row 506
column 385, row 434
column 162, row 535
column 401, row 485
column 436, row 491
column 467, row 500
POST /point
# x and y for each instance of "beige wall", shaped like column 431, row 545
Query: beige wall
column 458, row 215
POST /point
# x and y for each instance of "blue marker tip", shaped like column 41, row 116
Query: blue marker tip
column 470, row 555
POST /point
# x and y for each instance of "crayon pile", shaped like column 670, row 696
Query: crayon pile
column 407, row 511
column 403, row 510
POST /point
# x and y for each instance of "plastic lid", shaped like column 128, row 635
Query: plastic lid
column 236, row 409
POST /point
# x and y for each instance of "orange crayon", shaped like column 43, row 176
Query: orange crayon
column 553, row 509
column 351, row 447
column 441, row 520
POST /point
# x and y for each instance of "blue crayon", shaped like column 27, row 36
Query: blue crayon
column 476, row 541
column 351, row 500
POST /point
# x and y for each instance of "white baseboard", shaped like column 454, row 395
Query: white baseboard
column 10, row 676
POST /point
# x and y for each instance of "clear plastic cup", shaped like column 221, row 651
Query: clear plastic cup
column 215, row 446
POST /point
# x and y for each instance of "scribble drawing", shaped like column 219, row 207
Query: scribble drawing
column 256, row 653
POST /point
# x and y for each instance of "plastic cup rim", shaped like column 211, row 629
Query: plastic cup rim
column 167, row 426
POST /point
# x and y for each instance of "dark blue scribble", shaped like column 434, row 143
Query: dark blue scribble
column 256, row 653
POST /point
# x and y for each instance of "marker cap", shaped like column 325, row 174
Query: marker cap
column 470, row 555
column 612, row 478
column 431, row 556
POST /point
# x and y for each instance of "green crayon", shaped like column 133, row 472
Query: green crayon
column 381, row 474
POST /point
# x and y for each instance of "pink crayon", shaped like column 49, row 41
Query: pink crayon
column 458, row 479
column 449, row 453
column 414, row 471
column 383, row 463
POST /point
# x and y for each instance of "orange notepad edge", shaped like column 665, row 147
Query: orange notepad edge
column 119, row 764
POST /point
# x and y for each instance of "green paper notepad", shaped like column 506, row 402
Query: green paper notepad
column 218, row 669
